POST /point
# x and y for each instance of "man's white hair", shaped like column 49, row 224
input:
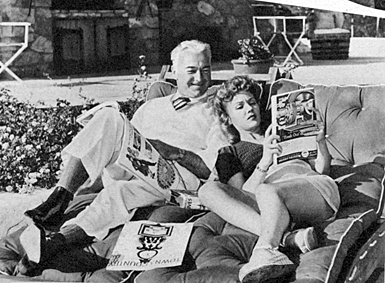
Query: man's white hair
column 191, row 45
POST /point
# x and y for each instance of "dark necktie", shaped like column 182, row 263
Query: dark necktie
column 180, row 102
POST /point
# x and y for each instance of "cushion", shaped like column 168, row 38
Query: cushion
column 332, row 33
column 357, row 168
column 215, row 254
column 329, row 19
column 350, row 114
column 160, row 89
column 11, row 250
column 78, row 264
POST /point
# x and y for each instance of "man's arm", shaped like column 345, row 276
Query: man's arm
column 186, row 158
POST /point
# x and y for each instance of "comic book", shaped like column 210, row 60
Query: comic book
column 145, row 245
column 140, row 158
column 292, row 116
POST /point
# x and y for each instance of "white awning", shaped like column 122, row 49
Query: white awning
column 344, row 6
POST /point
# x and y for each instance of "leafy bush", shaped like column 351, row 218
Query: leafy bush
column 32, row 137
column 252, row 49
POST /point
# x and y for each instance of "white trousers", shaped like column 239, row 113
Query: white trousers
column 97, row 145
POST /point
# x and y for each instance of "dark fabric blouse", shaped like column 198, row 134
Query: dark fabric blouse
column 240, row 157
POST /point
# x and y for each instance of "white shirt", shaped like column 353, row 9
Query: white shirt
column 193, row 127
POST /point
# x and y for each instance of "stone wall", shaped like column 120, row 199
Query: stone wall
column 37, row 60
column 152, row 31
column 143, row 32
column 219, row 23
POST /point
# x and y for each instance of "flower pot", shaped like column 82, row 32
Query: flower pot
column 252, row 67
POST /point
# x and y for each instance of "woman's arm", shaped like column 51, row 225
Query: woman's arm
column 323, row 160
column 270, row 147
column 255, row 179
column 237, row 181
column 322, row 163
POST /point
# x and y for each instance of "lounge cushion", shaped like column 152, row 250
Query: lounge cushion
column 82, row 264
column 219, row 250
column 356, row 143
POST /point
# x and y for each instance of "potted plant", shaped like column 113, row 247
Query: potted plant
column 256, row 58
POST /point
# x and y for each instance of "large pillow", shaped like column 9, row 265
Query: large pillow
column 351, row 115
column 216, row 252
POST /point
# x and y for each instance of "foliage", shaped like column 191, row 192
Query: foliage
column 31, row 139
column 33, row 136
column 141, row 83
column 251, row 49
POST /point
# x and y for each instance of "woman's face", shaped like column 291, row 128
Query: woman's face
column 244, row 112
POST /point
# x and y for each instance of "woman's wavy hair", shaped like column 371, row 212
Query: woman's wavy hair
column 226, row 94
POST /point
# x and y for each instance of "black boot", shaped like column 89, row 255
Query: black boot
column 50, row 212
column 38, row 248
column 27, row 267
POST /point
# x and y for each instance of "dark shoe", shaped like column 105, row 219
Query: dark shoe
column 265, row 265
column 39, row 247
column 50, row 212
column 27, row 267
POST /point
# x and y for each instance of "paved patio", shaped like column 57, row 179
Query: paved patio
column 365, row 65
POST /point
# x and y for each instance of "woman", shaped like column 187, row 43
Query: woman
column 269, row 197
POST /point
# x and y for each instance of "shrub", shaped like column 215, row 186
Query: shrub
column 32, row 138
column 252, row 49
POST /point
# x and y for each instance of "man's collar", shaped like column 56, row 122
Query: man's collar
column 202, row 98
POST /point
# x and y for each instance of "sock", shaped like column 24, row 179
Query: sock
column 73, row 176
column 75, row 235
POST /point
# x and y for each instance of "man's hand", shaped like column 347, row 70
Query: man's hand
column 167, row 151
column 187, row 159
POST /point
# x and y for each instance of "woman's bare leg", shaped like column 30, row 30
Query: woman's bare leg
column 233, row 205
column 295, row 200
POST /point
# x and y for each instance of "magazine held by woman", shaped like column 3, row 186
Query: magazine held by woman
column 293, row 117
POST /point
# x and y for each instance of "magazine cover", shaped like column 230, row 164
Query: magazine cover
column 145, row 245
column 292, row 116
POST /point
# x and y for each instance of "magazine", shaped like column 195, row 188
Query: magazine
column 292, row 117
column 187, row 199
column 140, row 158
column 145, row 245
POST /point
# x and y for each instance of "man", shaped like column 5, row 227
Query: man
column 181, row 126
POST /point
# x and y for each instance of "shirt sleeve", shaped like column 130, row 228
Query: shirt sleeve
column 215, row 140
column 227, row 164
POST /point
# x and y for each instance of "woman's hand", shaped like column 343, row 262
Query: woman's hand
column 270, row 147
column 318, row 130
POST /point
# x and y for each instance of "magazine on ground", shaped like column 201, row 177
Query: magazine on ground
column 292, row 117
column 140, row 158
column 145, row 245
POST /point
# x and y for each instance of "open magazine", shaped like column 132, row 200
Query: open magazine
column 140, row 158
column 292, row 116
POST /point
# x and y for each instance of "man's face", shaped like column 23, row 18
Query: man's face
column 193, row 73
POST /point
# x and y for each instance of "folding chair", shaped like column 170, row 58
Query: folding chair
column 23, row 45
column 276, row 21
